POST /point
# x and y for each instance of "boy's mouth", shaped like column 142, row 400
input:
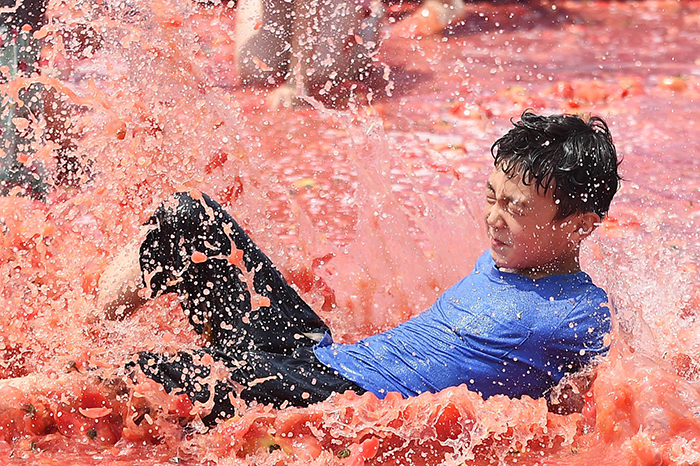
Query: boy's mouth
column 496, row 243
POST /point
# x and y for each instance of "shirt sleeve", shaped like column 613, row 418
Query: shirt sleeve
column 581, row 336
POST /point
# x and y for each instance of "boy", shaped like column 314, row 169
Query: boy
column 524, row 317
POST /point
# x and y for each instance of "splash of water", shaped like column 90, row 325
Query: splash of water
column 146, row 96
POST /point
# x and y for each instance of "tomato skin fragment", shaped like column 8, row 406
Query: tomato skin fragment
column 199, row 257
column 236, row 258
column 357, row 455
column 261, row 64
column 260, row 301
column 217, row 161
column 95, row 413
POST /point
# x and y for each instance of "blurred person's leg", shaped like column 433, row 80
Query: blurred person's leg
column 263, row 40
column 313, row 45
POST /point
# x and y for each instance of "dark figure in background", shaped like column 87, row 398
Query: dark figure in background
column 40, row 115
column 19, row 58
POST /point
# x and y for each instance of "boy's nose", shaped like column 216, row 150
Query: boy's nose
column 493, row 216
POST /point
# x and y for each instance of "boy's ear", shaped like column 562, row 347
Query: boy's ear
column 586, row 223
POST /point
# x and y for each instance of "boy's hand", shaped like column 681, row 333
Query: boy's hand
column 570, row 395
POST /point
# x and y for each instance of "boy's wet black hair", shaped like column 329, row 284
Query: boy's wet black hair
column 574, row 156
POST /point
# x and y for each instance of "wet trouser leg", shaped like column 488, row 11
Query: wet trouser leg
column 267, row 347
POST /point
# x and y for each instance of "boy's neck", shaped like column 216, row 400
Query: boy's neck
column 560, row 267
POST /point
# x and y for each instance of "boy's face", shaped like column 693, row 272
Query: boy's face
column 523, row 234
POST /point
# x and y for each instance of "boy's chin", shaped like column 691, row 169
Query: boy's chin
column 500, row 261
column 506, row 264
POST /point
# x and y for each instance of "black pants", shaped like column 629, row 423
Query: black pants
column 267, row 349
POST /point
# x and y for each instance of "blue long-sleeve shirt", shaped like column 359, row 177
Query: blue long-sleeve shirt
column 497, row 332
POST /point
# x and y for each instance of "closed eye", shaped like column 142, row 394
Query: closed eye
column 490, row 193
column 516, row 209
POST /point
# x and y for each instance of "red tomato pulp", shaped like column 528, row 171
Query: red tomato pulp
column 371, row 211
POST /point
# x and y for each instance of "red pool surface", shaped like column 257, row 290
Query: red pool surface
column 371, row 209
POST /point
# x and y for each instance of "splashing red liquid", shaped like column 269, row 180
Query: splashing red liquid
column 371, row 211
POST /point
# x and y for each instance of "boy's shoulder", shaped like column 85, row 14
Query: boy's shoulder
column 504, row 300
column 485, row 268
column 487, row 284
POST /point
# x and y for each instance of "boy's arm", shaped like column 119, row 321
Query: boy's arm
column 120, row 283
column 582, row 338
column 584, row 334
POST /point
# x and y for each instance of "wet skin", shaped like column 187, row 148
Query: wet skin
column 526, row 237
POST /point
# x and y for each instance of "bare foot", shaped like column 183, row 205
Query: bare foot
column 120, row 284
column 431, row 18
